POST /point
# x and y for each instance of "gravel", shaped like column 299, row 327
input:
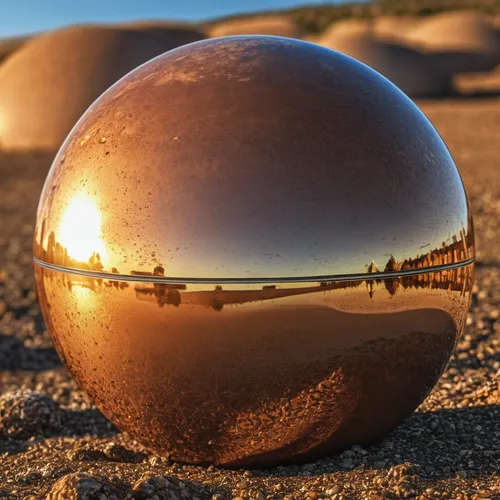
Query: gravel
column 54, row 444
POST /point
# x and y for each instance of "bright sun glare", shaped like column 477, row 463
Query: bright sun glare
column 80, row 229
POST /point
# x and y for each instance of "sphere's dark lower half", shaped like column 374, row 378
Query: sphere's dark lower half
column 254, row 376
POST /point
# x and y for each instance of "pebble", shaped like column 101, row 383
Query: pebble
column 26, row 414
column 80, row 486
column 119, row 453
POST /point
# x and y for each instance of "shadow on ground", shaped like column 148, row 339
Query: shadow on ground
column 14, row 355
column 442, row 444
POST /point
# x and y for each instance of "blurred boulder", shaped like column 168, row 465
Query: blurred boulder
column 459, row 41
column 48, row 83
column 172, row 34
column 9, row 45
column 394, row 28
column 262, row 25
column 484, row 83
column 348, row 27
column 413, row 72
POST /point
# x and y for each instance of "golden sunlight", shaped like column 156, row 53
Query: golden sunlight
column 80, row 229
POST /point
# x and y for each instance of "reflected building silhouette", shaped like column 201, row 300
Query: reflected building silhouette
column 459, row 279
column 164, row 293
column 460, row 248
column 457, row 251
column 55, row 253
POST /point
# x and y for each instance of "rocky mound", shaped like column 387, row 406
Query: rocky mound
column 411, row 71
column 47, row 84
column 394, row 27
column 461, row 41
column 348, row 27
column 172, row 34
column 267, row 25
column 9, row 45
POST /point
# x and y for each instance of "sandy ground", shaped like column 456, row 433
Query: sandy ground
column 55, row 444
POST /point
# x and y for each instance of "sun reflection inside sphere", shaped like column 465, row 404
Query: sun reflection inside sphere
column 80, row 229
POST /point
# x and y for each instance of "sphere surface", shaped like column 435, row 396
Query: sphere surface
column 254, row 250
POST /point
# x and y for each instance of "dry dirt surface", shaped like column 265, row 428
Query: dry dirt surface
column 54, row 444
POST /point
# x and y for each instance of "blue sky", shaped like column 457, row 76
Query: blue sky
column 24, row 16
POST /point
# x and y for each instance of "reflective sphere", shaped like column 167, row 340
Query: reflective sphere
column 252, row 251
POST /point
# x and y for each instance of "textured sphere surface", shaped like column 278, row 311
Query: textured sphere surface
column 254, row 250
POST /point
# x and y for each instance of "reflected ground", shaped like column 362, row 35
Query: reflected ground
column 267, row 371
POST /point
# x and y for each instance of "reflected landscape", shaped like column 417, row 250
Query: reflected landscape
column 247, row 375
column 459, row 250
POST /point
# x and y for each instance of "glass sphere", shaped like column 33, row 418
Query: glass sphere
column 252, row 251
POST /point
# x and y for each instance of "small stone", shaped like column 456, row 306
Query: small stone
column 494, row 314
column 26, row 414
column 333, row 491
column 86, row 454
column 348, row 454
column 155, row 486
column 78, row 486
column 119, row 453
column 484, row 494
